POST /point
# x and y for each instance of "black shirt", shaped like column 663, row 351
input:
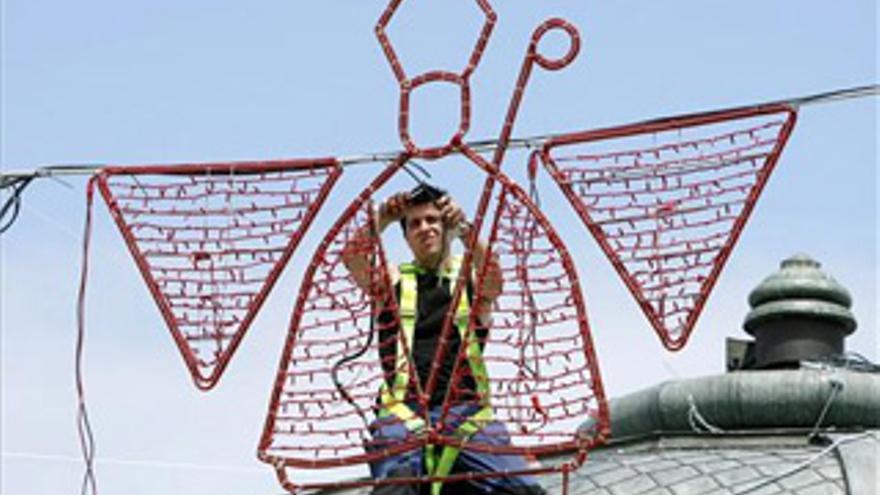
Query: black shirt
column 433, row 301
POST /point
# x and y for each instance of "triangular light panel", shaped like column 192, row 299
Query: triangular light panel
column 668, row 199
column 210, row 241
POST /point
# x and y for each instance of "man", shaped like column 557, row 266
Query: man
column 423, row 289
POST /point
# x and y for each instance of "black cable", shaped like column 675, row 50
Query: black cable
column 351, row 357
column 12, row 206
column 360, row 352
column 420, row 168
column 346, row 359
column 428, row 189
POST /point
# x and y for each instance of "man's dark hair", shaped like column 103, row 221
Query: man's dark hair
column 422, row 194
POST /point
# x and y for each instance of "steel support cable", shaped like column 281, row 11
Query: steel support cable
column 17, row 180
column 479, row 146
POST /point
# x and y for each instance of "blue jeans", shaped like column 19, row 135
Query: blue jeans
column 388, row 432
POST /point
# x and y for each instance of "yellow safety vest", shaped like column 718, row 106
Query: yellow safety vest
column 393, row 400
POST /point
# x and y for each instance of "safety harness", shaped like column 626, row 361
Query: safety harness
column 393, row 398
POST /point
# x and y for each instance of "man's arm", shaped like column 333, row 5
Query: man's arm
column 357, row 253
column 492, row 283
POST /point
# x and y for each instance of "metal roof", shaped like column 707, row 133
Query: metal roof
column 805, row 432
column 755, row 463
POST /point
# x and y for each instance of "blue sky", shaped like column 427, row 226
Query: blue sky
column 167, row 82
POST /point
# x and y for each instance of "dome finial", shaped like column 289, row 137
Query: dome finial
column 798, row 313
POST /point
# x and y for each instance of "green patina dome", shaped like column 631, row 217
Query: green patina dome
column 800, row 289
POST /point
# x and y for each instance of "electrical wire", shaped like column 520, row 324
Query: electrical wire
column 12, row 206
column 16, row 182
column 421, row 170
column 806, row 463
column 84, row 426
column 334, row 371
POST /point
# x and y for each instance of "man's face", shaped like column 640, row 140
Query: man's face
column 424, row 233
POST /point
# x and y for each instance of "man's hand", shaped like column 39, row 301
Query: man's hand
column 492, row 283
column 357, row 253
column 392, row 209
column 453, row 216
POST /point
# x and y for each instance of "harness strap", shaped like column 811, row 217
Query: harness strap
column 393, row 400
column 442, row 466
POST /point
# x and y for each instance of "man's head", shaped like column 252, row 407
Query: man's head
column 423, row 226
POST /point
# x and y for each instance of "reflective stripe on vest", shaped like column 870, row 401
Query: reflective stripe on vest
column 393, row 401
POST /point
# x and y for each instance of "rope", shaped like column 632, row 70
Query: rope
column 696, row 420
column 836, row 387
column 478, row 146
